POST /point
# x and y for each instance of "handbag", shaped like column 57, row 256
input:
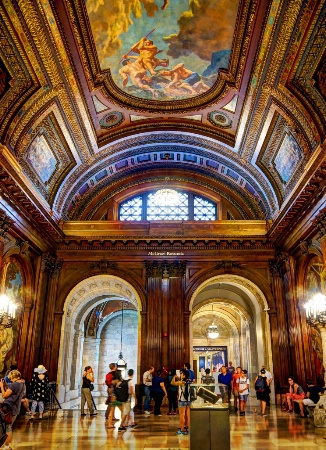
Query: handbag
column 91, row 387
column 6, row 413
column 236, row 392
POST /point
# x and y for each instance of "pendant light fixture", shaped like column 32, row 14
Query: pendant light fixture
column 212, row 330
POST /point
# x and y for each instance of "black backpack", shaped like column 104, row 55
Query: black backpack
column 260, row 384
column 121, row 392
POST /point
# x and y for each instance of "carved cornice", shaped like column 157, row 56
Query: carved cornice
column 5, row 224
column 51, row 265
column 159, row 244
column 22, row 200
column 165, row 269
column 103, row 266
column 299, row 205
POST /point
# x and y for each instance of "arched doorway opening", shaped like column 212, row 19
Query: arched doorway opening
column 240, row 310
column 91, row 334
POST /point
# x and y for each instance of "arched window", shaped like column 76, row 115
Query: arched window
column 186, row 206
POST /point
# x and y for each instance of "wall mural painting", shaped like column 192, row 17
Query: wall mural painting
column 287, row 158
column 315, row 283
column 4, row 79
column 42, row 159
column 163, row 50
column 13, row 288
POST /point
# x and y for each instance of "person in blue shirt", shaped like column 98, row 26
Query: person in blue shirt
column 191, row 372
column 225, row 380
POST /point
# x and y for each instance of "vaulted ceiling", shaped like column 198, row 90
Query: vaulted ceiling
column 100, row 99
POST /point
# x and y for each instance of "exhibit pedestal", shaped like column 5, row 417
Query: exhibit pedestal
column 210, row 427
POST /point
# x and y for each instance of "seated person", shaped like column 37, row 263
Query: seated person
column 295, row 393
column 311, row 398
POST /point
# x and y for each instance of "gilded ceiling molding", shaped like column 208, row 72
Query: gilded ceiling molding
column 262, row 92
column 23, row 81
column 58, row 87
column 302, row 80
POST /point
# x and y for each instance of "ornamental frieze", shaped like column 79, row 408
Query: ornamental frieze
column 164, row 269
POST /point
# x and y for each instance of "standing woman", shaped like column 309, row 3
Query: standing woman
column 172, row 394
column 158, row 392
column 243, row 389
column 39, row 385
column 12, row 399
column 183, row 400
column 87, row 387
column 263, row 392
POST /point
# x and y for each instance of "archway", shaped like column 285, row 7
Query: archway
column 92, row 299
column 239, row 309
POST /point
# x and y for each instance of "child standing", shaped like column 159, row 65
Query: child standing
column 243, row 389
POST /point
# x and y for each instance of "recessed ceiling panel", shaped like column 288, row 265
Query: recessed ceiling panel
column 163, row 50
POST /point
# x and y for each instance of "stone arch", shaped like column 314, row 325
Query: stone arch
column 252, row 308
column 85, row 296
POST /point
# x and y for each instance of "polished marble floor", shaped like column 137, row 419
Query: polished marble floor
column 67, row 430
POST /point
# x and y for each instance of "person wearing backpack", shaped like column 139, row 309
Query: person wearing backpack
column 158, row 392
column 262, row 390
column 183, row 400
column 125, row 393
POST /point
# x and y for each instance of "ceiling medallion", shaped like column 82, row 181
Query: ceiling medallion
column 112, row 119
column 219, row 119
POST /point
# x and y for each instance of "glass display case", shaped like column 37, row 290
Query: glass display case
column 209, row 396
column 209, row 417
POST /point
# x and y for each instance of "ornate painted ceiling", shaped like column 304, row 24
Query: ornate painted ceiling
column 100, row 99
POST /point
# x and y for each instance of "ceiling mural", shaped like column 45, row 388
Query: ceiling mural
column 163, row 50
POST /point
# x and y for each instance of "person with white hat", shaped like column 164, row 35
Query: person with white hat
column 39, row 385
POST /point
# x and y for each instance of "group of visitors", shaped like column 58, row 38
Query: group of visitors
column 13, row 392
column 175, row 387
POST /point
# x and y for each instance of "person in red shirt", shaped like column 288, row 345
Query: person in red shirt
column 108, row 382
column 235, row 387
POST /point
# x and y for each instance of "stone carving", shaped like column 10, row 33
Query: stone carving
column 51, row 265
column 320, row 223
column 165, row 269
column 5, row 223
column 228, row 265
column 104, row 266
column 280, row 265
column 304, row 247
column 23, row 246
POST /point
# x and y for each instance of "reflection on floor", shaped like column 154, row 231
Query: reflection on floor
column 69, row 431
